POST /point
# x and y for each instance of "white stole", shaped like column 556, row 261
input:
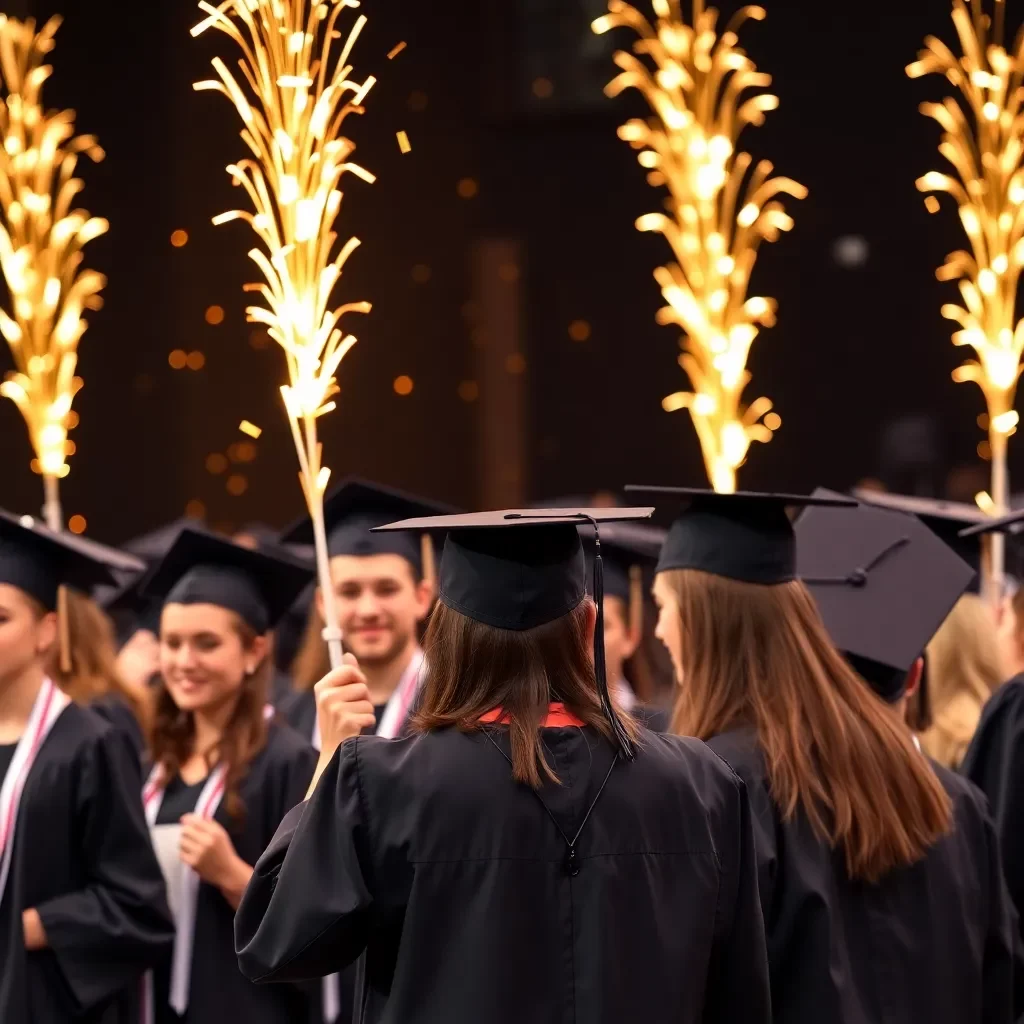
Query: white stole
column 185, row 920
column 48, row 706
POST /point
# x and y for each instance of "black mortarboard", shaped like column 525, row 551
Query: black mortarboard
column 946, row 519
column 355, row 508
column 628, row 550
column 1012, row 523
column 152, row 546
column 520, row 568
column 130, row 609
column 884, row 583
column 745, row 536
column 201, row 568
column 38, row 561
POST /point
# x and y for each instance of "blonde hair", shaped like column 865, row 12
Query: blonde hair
column 759, row 656
column 963, row 671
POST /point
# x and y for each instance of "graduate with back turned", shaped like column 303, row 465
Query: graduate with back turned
column 83, row 911
column 962, row 657
column 884, row 583
column 529, row 854
column 995, row 758
column 860, row 846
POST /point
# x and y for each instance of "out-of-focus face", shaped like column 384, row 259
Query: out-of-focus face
column 1011, row 648
column 378, row 603
column 139, row 659
column 25, row 637
column 619, row 642
column 203, row 660
column 669, row 629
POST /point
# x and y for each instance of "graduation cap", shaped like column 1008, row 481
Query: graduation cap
column 152, row 546
column 355, row 508
column 946, row 519
column 131, row 609
column 201, row 568
column 883, row 581
column 39, row 561
column 520, row 568
column 629, row 552
column 1012, row 523
column 745, row 536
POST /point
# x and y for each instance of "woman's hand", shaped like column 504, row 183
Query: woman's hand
column 206, row 847
column 343, row 709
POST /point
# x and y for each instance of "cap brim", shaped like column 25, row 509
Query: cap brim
column 1010, row 523
column 354, row 497
column 707, row 497
column 520, row 517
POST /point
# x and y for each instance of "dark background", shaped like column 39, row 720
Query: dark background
column 855, row 350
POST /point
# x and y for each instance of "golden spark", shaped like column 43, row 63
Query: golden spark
column 299, row 92
column 41, row 240
column 983, row 141
column 718, row 210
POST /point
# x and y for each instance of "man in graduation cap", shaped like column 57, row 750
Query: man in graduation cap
column 383, row 590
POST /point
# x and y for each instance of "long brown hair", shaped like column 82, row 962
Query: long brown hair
column 472, row 668
column 172, row 736
column 964, row 669
column 312, row 661
column 92, row 648
column 759, row 656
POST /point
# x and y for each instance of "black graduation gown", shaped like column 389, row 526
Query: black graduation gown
column 116, row 711
column 83, row 859
column 276, row 781
column 299, row 710
column 930, row 944
column 995, row 763
column 423, row 852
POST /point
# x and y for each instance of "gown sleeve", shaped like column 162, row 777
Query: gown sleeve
column 1003, row 965
column 995, row 763
column 306, row 911
column 739, row 991
column 106, row 934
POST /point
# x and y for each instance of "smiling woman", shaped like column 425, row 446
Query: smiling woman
column 225, row 772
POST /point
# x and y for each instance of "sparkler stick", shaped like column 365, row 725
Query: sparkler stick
column 41, row 241
column 299, row 93
column 718, row 211
column 983, row 140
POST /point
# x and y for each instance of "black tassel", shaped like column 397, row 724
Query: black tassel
column 625, row 744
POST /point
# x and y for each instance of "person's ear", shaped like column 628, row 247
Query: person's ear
column 424, row 598
column 633, row 637
column 913, row 681
column 255, row 655
column 46, row 633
